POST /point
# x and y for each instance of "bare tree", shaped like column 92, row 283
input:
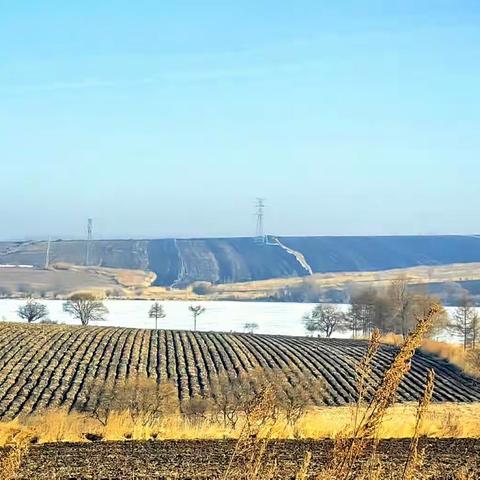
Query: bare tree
column 86, row 308
column 196, row 310
column 465, row 321
column 422, row 303
column 361, row 316
column 32, row 311
column 401, row 300
column 294, row 392
column 196, row 408
column 227, row 399
column 25, row 289
column 250, row 327
column 325, row 319
column 473, row 361
column 475, row 329
column 156, row 312
column 5, row 292
column 144, row 400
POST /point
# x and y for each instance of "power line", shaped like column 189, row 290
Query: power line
column 89, row 240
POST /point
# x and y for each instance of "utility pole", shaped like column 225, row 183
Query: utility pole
column 259, row 213
column 47, row 254
column 89, row 241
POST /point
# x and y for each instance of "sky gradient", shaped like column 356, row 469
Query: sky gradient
column 164, row 119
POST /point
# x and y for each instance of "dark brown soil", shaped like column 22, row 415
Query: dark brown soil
column 208, row 459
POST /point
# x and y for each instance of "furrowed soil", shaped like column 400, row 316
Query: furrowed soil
column 209, row 459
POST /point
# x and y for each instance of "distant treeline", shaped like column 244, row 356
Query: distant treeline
column 308, row 291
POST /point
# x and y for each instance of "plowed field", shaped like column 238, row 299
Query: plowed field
column 208, row 459
column 48, row 365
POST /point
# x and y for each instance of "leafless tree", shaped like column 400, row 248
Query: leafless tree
column 196, row 310
column 294, row 393
column 394, row 309
column 32, row 311
column 86, row 308
column 5, row 292
column 422, row 303
column 465, row 321
column 361, row 316
column 25, row 289
column 250, row 327
column 145, row 401
column 196, row 408
column 473, row 361
column 325, row 319
column 105, row 403
column 401, row 300
column 227, row 399
column 156, row 312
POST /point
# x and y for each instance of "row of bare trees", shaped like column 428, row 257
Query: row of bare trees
column 465, row 322
column 157, row 312
column 83, row 306
column 87, row 308
column 231, row 399
column 396, row 309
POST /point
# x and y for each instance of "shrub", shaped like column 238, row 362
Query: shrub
column 202, row 288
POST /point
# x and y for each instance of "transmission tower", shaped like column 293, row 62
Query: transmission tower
column 89, row 240
column 259, row 213
column 47, row 254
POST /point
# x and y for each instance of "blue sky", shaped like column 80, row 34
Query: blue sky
column 169, row 118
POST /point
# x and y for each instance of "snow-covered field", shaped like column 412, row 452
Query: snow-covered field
column 274, row 318
column 277, row 318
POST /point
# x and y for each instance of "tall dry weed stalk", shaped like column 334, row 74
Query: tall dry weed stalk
column 11, row 462
column 302, row 474
column 364, row 372
column 248, row 461
column 415, row 458
column 368, row 419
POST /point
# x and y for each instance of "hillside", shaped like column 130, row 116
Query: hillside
column 179, row 262
column 47, row 365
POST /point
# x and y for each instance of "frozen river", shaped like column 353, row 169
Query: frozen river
column 276, row 318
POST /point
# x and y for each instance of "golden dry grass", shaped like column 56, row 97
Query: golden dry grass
column 262, row 289
column 441, row 421
column 453, row 352
column 415, row 275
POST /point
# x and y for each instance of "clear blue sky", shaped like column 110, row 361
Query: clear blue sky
column 162, row 118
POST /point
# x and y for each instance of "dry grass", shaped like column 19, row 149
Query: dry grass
column 248, row 460
column 262, row 289
column 17, row 439
column 418, row 275
column 440, row 421
column 362, row 436
column 415, row 458
column 453, row 352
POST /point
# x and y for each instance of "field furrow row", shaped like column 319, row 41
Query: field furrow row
column 44, row 366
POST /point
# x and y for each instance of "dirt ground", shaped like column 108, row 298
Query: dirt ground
column 208, row 459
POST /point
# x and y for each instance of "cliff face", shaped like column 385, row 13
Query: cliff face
column 179, row 262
